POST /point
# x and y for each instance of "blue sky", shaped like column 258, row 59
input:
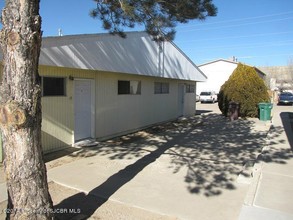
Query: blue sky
column 258, row 33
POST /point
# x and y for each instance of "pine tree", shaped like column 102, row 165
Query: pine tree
column 244, row 87
column 20, row 93
column 158, row 17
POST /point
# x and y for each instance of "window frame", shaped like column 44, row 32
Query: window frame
column 57, row 93
column 190, row 88
column 133, row 87
column 161, row 88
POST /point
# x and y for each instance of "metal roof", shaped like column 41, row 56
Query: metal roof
column 136, row 54
column 260, row 72
column 218, row 60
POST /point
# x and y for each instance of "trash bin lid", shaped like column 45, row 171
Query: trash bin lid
column 265, row 104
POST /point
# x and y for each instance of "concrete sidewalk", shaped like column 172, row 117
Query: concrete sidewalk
column 190, row 169
column 271, row 194
column 187, row 170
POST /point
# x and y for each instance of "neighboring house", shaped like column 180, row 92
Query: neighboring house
column 100, row 86
column 279, row 77
column 217, row 73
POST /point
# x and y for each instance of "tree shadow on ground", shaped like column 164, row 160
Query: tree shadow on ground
column 287, row 120
column 212, row 149
column 276, row 152
column 200, row 112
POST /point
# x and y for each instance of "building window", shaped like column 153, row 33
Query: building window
column 129, row 87
column 53, row 86
column 190, row 88
column 161, row 88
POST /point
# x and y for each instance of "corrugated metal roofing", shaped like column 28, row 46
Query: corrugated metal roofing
column 136, row 54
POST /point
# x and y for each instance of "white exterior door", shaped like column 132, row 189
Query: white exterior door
column 181, row 97
column 82, row 109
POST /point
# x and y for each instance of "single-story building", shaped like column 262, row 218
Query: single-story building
column 218, row 72
column 100, row 85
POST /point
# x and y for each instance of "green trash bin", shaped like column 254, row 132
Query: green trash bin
column 265, row 111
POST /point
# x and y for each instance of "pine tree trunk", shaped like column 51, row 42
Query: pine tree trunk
column 20, row 112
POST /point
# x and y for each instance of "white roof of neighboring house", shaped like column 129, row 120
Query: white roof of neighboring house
column 217, row 72
column 136, row 54
column 259, row 71
column 219, row 60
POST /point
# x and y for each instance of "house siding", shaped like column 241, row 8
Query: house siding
column 57, row 113
column 217, row 73
column 114, row 114
column 106, row 59
column 119, row 113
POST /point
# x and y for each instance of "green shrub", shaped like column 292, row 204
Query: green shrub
column 245, row 87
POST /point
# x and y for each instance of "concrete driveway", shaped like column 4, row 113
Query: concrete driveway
column 188, row 169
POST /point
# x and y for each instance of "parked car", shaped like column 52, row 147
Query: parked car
column 285, row 98
column 209, row 96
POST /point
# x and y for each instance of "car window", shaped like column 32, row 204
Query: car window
column 205, row 93
column 286, row 94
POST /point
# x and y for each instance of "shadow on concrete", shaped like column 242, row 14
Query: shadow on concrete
column 277, row 152
column 213, row 149
column 88, row 204
column 60, row 153
column 199, row 112
column 287, row 120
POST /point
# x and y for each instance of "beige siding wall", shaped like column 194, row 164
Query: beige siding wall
column 115, row 114
column 119, row 113
column 57, row 114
